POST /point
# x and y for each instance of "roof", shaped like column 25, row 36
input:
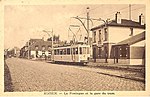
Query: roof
column 16, row 48
column 40, row 44
column 35, row 40
column 133, row 39
column 124, row 23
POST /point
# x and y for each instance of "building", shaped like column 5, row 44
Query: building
column 36, row 48
column 14, row 52
column 119, row 40
column 39, row 48
column 23, row 52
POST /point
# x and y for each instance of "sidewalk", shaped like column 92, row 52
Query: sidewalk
column 133, row 72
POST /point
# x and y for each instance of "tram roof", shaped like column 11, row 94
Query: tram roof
column 69, row 45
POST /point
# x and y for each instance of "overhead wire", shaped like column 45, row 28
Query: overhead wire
column 105, row 15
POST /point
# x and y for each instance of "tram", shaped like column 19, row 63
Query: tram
column 78, row 53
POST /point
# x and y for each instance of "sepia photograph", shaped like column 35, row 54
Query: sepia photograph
column 74, row 47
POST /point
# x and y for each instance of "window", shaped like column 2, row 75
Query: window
column 36, row 47
column 88, row 50
column 43, row 47
column 76, row 50
column 43, row 52
column 80, row 50
column 64, row 51
column 99, row 53
column 84, row 50
column 68, row 51
column 123, row 51
column 106, row 34
column 54, row 52
column 94, row 37
column 57, row 51
column 131, row 34
column 106, row 51
column 49, row 47
column 60, row 52
column 100, row 36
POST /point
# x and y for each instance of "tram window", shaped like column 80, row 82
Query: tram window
column 54, row 52
column 80, row 50
column 71, row 50
column 74, row 51
column 60, row 52
column 57, row 52
column 64, row 51
column 88, row 50
column 77, row 50
column 84, row 50
column 68, row 51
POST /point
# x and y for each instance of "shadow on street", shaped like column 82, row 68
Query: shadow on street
column 8, row 87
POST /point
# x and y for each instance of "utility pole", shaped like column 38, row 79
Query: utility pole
column 51, row 42
column 88, row 17
column 129, row 11
column 87, row 28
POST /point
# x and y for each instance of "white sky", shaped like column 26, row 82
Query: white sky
column 22, row 22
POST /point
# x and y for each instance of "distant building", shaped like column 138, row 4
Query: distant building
column 23, row 52
column 14, row 52
column 39, row 48
column 36, row 48
column 119, row 40
column 5, row 53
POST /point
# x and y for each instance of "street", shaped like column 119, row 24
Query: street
column 28, row 75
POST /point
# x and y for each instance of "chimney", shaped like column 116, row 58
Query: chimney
column 141, row 19
column 118, row 17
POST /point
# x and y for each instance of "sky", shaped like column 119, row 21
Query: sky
column 24, row 22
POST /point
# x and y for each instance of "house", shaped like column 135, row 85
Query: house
column 14, row 52
column 24, row 52
column 38, row 48
column 119, row 40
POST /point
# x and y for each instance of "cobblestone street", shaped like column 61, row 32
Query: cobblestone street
column 27, row 75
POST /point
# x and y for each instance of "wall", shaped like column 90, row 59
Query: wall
column 117, row 34
column 97, row 35
column 137, row 52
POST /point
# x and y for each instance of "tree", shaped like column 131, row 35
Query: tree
column 55, row 38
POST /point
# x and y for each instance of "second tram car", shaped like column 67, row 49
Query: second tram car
column 74, row 53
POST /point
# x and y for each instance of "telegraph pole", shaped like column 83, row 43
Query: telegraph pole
column 87, row 27
column 51, row 42
column 88, row 17
column 129, row 11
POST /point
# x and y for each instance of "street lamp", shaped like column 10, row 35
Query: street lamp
column 52, row 40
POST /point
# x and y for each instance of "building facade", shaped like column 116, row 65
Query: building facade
column 113, row 41
column 14, row 52
column 36, row 49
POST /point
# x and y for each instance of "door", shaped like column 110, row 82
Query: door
column 116, row 53
column 94, row 54
column 73, row 54
column 36, row 54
